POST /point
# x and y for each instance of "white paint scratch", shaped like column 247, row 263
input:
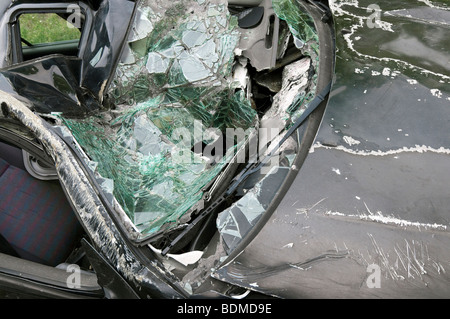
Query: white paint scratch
column 416, row 149
column 351, row 141
column 336, row 170
column 388, row 220
column 391, row 220
column 437, row 93
column 360, row 22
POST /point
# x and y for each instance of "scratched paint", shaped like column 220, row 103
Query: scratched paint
column 417, row 149
column 389, row 220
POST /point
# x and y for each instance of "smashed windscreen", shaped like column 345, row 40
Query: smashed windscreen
column 191, row 71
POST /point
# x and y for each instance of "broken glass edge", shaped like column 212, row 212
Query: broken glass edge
column 143, row 227
column 235, row 222
column 63, row 131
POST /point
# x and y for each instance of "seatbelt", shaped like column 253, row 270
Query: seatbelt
column 253, row 167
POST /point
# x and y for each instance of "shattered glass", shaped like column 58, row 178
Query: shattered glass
column 294, row 89
column 174, row 46
column 300, row 23
column 181, row 82
column 235, row 222
column 174, row 80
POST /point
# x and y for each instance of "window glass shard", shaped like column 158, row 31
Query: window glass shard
column 183, row 80
column 301, row 24
column 172, row 89
column 235, row 222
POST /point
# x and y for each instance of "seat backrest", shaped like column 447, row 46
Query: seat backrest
column 12, row 155
column 35, row 217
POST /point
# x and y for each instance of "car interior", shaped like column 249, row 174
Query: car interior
column 40, row 235
column 46, row 229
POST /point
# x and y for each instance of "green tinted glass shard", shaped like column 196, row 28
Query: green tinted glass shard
column 173, row 81
column 300, row 22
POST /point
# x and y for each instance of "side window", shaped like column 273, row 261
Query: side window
column 48, row 33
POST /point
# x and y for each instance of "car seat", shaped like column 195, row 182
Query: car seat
column 36, row 219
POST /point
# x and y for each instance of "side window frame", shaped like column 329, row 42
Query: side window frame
column 14, row 27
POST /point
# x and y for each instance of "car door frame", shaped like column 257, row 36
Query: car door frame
column 11, row 15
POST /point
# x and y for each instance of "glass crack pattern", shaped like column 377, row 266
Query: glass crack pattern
column 177, row 87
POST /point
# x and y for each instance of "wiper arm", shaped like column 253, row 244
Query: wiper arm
column 251, row 168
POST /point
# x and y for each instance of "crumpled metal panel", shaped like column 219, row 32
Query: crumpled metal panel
column 48, row 85
column 106, row 36
column 71, row 85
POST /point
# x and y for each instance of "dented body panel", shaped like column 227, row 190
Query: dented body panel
column 367, row 215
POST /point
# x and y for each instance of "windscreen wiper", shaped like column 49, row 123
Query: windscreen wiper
column 251, row 168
